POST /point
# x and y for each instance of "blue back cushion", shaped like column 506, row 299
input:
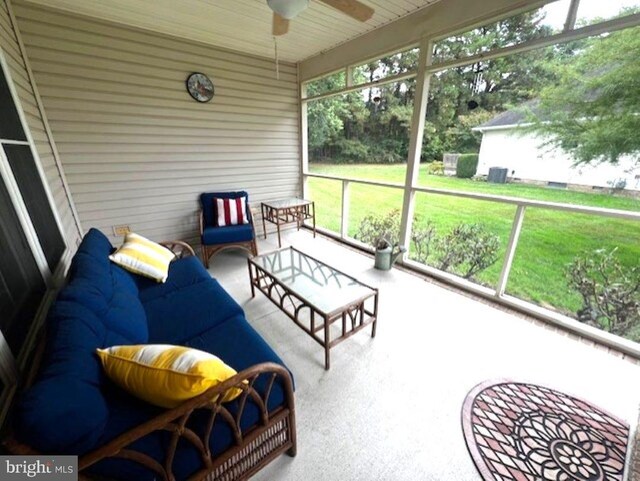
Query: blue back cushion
column 71, row 420
column 208, row 211
column 183, row 273
column 188, row 312
column 66, row 411
column 106, row 289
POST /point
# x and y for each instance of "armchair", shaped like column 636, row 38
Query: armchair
column 214, row 238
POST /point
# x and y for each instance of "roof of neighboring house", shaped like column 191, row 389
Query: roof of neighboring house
column 510, row 118
column 505, row 119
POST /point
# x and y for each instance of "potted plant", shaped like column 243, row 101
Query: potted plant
column 381, row 232
column 387, row 253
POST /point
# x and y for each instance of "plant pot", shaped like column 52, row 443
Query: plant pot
column 383, row 260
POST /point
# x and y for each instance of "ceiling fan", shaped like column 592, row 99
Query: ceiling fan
column 285, row 10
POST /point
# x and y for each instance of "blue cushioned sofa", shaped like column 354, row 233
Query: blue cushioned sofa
column 72, row 408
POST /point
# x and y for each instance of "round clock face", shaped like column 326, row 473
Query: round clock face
column 200, row 87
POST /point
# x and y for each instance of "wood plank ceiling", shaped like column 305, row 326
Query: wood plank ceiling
column 242, row 25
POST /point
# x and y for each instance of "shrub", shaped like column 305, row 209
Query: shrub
column 376, row 230
column 610, row 292
column 423, row 239
column 436, row 168
column 467, row 166
column 617, row 186
column 468, row 249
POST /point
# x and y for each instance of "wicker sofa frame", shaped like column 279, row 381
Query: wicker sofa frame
column 251, row 450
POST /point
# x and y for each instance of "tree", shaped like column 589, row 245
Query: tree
column 593, row 112
column 331, row 118
column 373, row 125
column 494, row 85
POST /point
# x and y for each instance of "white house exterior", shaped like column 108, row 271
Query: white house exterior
column 504, row 144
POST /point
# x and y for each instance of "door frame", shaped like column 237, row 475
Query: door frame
column 11, row 367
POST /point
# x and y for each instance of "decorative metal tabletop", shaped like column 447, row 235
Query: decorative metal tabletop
column 525, row 432
column 287, row 203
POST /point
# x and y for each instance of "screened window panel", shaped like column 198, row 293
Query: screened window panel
column 21, row 284
column 35, row 198
column 10, row 125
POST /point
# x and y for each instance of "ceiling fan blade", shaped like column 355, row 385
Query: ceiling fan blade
column 353, row 8
column 280, row 25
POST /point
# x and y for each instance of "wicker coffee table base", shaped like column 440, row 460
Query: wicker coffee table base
column 352, row 317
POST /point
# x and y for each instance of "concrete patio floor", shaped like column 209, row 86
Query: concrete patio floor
column 389, row 408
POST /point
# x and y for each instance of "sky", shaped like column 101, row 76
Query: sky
column 588, row 10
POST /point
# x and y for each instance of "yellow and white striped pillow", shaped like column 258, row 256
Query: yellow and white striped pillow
column 142, row 256
column 165, row 375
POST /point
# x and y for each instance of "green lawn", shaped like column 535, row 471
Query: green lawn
column 549, row 240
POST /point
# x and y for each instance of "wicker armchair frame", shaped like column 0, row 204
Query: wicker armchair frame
column 208, row 251
column 179, row 248
column 252, row 450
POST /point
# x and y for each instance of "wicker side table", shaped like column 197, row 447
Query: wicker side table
column 288, row 211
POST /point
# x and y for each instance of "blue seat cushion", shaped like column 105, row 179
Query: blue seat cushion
column 227, row 234
column 182, row 273
column 125, row 413
column 208, row 208
column 184, row 313
column 240, row 346
column 236, row 343
column 61, row 415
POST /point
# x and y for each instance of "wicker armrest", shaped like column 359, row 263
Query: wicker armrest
column 175, row 421
column 179, row 248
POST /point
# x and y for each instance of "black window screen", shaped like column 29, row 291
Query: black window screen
column 35, row 198
column 10, row 126
column 21, row 284
column 22, row 287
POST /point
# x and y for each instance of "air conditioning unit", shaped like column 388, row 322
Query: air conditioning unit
column 498, row 175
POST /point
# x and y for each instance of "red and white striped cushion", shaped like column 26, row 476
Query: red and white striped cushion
column 231, row 211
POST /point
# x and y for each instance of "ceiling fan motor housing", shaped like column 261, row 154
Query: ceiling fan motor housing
column 288, row 8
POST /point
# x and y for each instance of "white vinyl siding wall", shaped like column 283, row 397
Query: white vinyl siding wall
column 135, row 147
column 20, row 77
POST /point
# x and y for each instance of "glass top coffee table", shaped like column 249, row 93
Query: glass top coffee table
column 326, row 303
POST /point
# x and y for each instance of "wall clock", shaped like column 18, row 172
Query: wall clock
column 200, row 87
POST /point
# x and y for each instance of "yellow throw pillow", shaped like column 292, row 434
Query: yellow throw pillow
column 142, row 256
column 165, row 375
